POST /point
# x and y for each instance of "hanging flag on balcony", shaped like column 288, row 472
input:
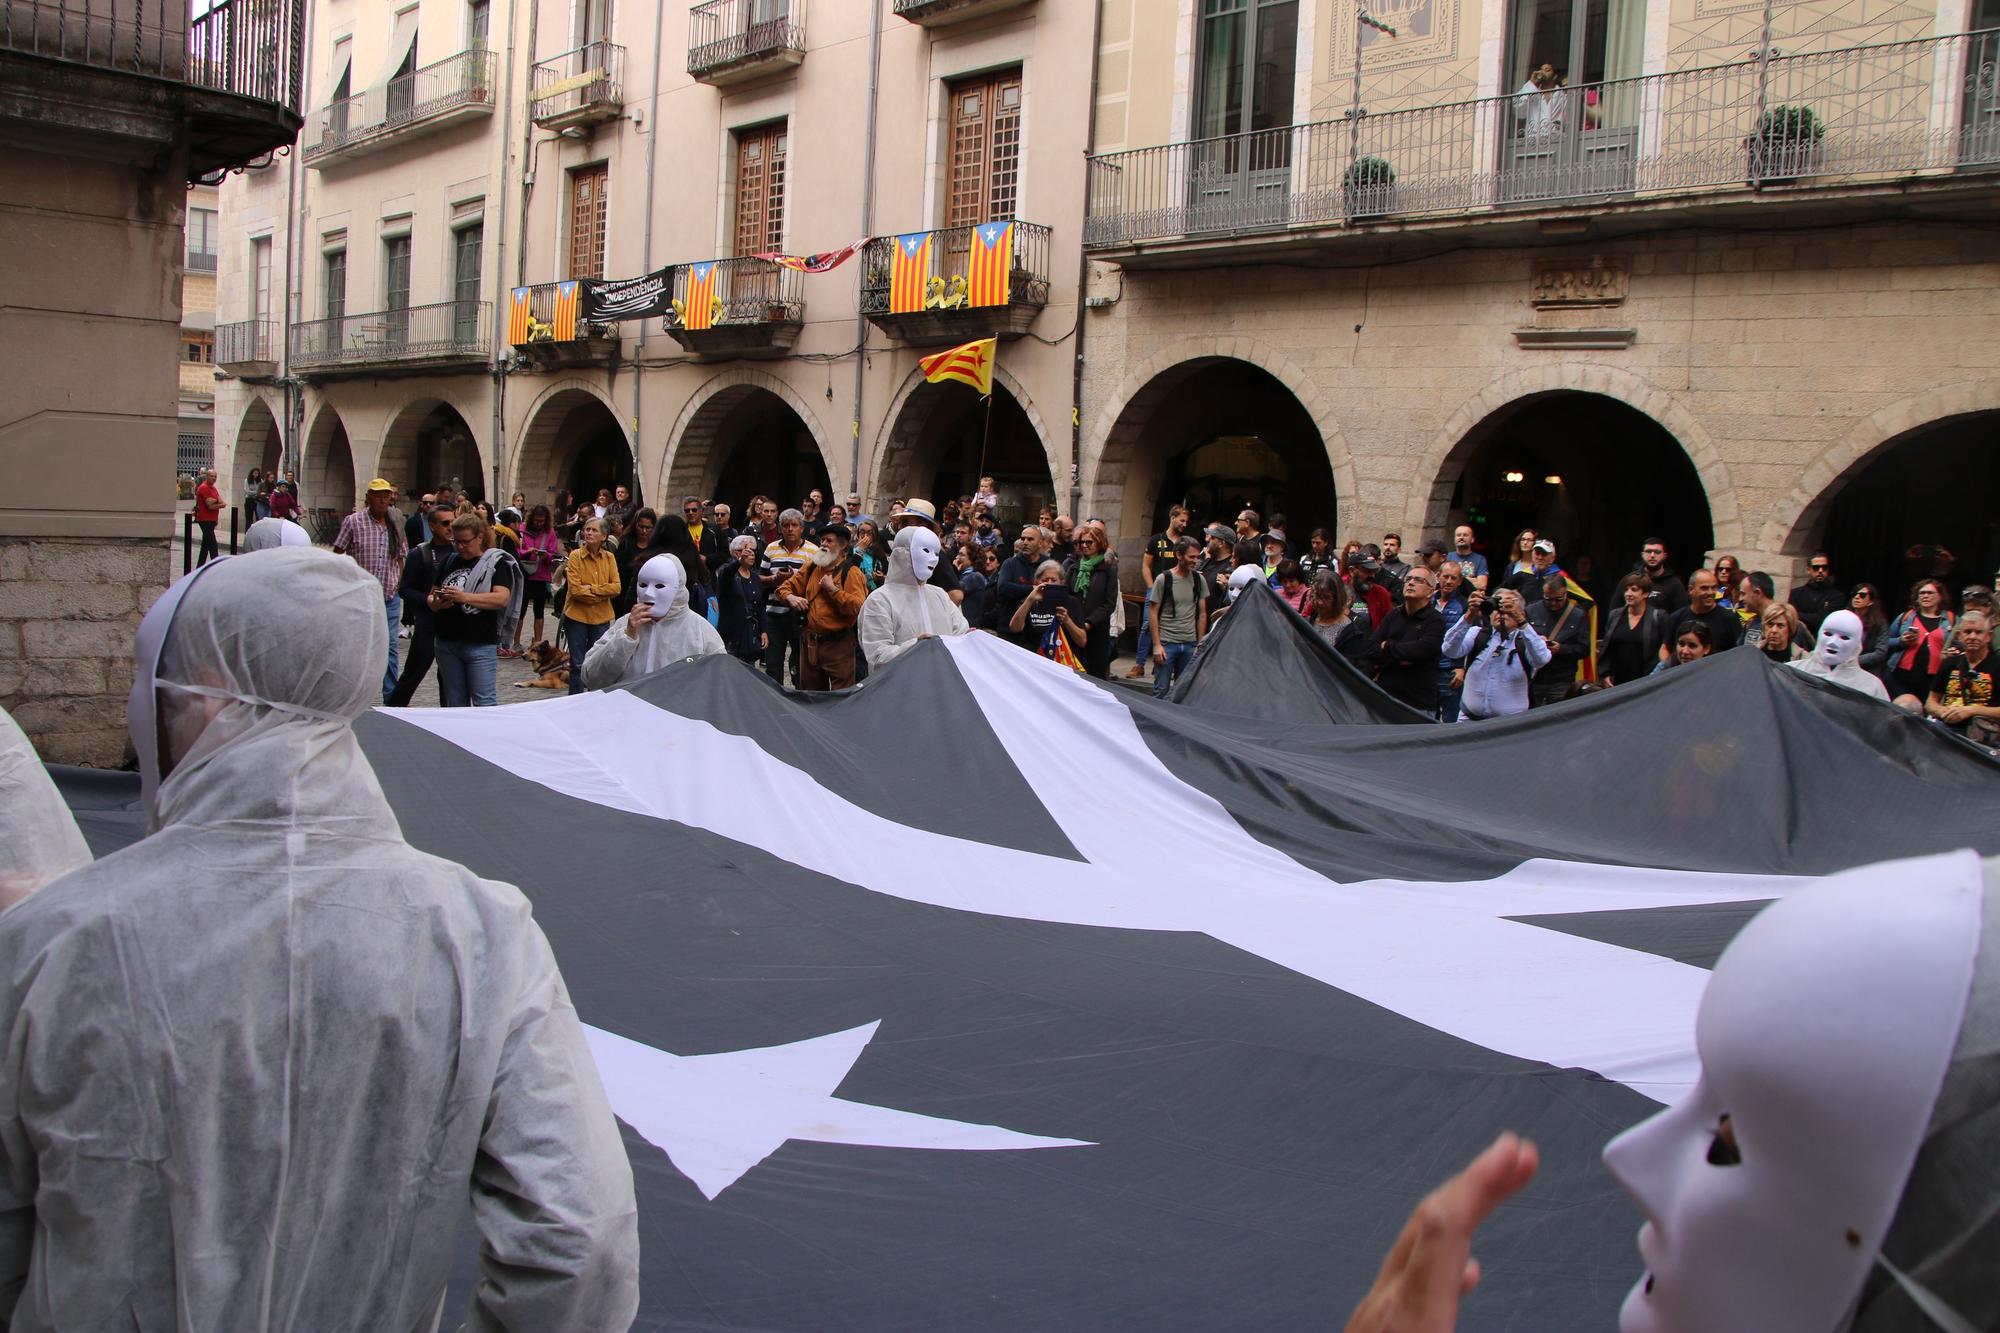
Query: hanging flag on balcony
column 991, row 262
column 824, row 262
column 562, row 320
column 519, row 317
column 695, row 310
column 970, row 363
column 605, row 301
column 910, row 264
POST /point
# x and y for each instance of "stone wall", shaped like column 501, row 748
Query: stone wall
column 1778, row 360
column 68, row 609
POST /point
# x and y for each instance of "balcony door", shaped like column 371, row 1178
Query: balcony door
column 1578, row 136
column 760, row 213
column 1240, row 168
column 396, row 291
column 467, row 243
column 1979, row 134
column 587, row 211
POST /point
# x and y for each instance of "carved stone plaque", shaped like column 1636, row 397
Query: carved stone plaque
column 1579, row 284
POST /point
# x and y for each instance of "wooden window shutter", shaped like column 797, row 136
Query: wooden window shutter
column 984, row 163
column 760, row 189
column 587, row 200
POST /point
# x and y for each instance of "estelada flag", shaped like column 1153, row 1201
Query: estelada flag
column 700, row 299
column 909, row 268
column 991, row 261
column 824, row 261
column 968, row 363
column 518, row 316
column 563, row 321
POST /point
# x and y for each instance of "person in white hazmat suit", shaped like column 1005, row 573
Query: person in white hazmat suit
column 907, row 607
column 252, row 1066
column 1836, row 656
column 268, row 532
column 658, row 631
column 39, row 840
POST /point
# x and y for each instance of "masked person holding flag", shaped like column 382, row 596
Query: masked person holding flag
column 254, row 1065
column 658, row 631
column 907, row 607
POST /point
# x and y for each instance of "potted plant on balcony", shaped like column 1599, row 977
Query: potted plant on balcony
column 1368, row 188
column 1786, row 144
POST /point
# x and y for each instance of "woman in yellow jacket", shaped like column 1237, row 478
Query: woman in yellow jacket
column 592, row 579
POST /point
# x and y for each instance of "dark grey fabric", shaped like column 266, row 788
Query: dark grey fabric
column 1264, row 661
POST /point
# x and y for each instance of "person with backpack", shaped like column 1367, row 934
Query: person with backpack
column 1502, row 655
column 1176, row 615
column 474, row 608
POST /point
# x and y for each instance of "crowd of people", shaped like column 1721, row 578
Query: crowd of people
column 1448, row 629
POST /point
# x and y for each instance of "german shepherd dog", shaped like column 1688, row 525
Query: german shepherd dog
column 550, row 665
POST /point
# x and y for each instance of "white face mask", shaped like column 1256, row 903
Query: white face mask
column 1824, row 1036
column 922, row 544
column 660, row 583
column 1839, row 640
column 1243, row 577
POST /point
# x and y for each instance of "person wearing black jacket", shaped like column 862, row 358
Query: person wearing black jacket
column 740, row 597
column 1633, row 633
column 709, row 539
column 1564, row 623
column 1017, row 579
column 1409, row 643
column 420, row 574
column 1092, row 576
column 1818, row 596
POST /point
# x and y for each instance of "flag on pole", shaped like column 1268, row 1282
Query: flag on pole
column 518, row 317
column 1586, row 669
column 969, row 363
column 910, row 264
column 990, row 264
column 823, row 262
column 563, row 321
column 696, row 311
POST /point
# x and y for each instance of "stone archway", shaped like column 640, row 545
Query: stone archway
column 568, row 419
column 1118, row 484
column 260, row 440
column 718, row 416
column 326, row 481
column 1429, row 511
column 431, row 440
column 934, row 434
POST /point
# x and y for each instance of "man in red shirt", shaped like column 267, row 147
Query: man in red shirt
column 207, row 509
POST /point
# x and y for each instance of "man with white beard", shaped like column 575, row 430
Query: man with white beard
column 907, row 607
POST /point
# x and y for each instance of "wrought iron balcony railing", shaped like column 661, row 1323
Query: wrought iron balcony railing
column 446, row 333
column 945, row 287
column 201, row 261
column 942, row 13
column 1834, row 117
column 251, row 343
column 737, row 291
column 730, row 39
column 455, row 87
column 579, row 86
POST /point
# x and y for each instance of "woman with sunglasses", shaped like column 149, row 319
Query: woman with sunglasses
column 1876, row 642
column 1728, row 573
column 1092, row 578
column 1916, row 642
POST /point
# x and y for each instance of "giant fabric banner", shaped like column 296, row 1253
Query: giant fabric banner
column 1120, row 1013
column 606, row 301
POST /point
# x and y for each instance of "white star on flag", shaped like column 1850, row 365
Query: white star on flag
column 717, row 1116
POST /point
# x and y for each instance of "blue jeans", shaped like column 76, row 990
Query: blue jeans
column 1448, row 698
column 394, row 609
column 1178, row 656
column 577, row 638
column 465, row 673
column 1144, row 652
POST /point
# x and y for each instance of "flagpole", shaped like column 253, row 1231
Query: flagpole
column 985, row 434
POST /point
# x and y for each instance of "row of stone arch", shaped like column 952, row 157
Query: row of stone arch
column 1129, row 445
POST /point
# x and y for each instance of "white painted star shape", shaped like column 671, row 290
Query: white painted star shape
column 717, row 1116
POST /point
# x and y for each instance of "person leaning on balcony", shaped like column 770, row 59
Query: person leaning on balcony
column 1538, row 106
column 592, row 580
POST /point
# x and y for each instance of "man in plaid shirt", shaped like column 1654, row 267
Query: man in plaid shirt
column 374, row 537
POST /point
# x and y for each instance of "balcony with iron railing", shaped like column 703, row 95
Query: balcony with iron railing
column 445, row 337
column 944, row 13
column 91, row 70
column 580, row 87
column 200, row 261
column 546, row 333
column 249, row 349
column 950, row 312
column 455, row 89
column 1784, row 133
column 735, row 41
column 729, row 308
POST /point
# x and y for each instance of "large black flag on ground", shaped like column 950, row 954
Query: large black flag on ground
column 987, row 997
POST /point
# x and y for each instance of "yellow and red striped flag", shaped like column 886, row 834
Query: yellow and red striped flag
column 968, row 363
column 990, row 264
column 696, row 313
column 518, row 316
column 909, row 268
column 564, row 319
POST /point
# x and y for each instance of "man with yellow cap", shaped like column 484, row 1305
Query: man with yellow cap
column 373, row 535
